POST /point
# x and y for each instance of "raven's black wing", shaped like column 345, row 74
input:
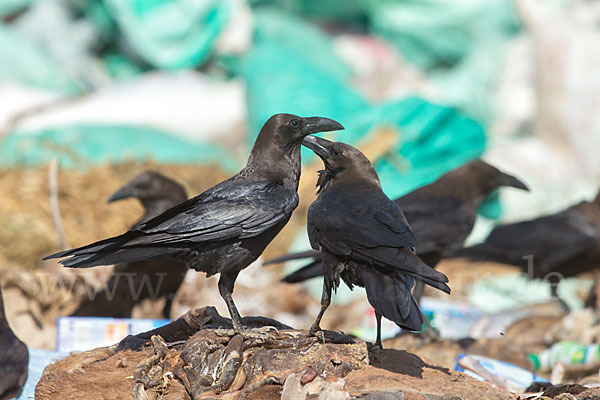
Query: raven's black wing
column 229, row 211
column 552, row 239
column 439, row 223
column 352, row 218
column 365, row 226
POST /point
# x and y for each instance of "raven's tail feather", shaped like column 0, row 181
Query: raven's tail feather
column 95, row 247
column 413, row 266
column 115, row 250
column 309, row 271
column 120, row 256
column 403, row 261
column 315, row 254
column 421, row 270
column 410, row 265
column 431, row 282
column 391, row 297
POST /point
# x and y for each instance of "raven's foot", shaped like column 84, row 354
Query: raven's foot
column 317, row 332
column 261, row 333
column 377, row 345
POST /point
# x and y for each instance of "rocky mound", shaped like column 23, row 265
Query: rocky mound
column 199, row 357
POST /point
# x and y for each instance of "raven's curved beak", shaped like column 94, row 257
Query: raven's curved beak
column 320, row 124
column 319, row 145
column 509, row 180
column 123, row 193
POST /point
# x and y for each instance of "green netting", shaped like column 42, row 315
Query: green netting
column 84, row 145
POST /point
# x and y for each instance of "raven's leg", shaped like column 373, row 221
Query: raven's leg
column 166, row 312
column 378, row 341
column 226, row 282
column 325, row 301
column 554, row 293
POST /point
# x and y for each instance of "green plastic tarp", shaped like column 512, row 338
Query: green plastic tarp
column 459, row 43
column 10, row 7
column 171, row 34
column 26, row 62
column 84, row 145
column 289, row 76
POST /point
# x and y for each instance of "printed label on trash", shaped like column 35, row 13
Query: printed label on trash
column 500, row 373
column 86, row 333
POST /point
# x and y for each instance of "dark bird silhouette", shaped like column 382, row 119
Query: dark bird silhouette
column 549, row 247
column 364, row 238
column 226, row 228
column 14, row 359
column 139, row 280
column 441, row 215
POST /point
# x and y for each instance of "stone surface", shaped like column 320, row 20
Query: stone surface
column 193, row 358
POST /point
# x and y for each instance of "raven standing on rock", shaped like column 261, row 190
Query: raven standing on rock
column 144, row 279
column 441, row 215
column 226, row 228
column 364, row 238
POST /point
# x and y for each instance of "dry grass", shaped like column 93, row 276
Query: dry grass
column 27, row 232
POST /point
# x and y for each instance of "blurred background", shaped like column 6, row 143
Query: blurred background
column 92, row 92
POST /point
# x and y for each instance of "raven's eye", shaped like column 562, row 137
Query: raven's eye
column 294, row 123
column 336, row 153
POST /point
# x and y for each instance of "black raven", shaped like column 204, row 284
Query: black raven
column 550, row 247
column 144, row 279
column 14, row 359
column 441, row 215
column 364, row 238
column 226, row 228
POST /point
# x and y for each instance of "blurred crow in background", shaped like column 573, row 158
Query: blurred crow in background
column 550, row 247
column 441, row 215
column 226, row 228
column 139, row 280
column 14, row 359
column 364, row 238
